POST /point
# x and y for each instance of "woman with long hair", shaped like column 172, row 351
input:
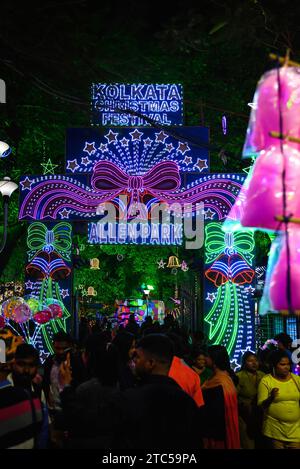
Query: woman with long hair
column 125, row 345
column 220, row 412
column 249, row 414
column 279, row 397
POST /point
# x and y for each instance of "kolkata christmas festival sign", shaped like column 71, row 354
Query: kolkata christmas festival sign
column 131, row 104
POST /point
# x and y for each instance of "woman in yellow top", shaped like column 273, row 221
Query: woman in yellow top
column 249, row 415
column 279, row 396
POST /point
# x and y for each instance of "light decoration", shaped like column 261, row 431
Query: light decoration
column 112, row 103
column 5, row 150
column 137, row 151
column 229, row 316
column 94, row 264
column 43, row 311
column 49, row 167
column 49, row 198
column 161, row 264
column 224, row 125
column 271, row 194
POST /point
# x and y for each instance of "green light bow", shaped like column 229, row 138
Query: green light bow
column 57, row 239
column 215, row 242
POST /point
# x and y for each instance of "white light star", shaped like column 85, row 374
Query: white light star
column 90, row 148
column 111, row 136
column 234, row 365
column 211, row 297
column 183, row 147
column 85, row 161
column 124, row 142
column 247, row 349
column 147, row 142
column 64, row 213
column 26, row 183
column 161, row 136
column 161, row 264
column 169, row 147
column 209, row 214
column 201, row 164
column 64, row 292
column 136, row 135
column 249, row 289
column 72, row 165
column 28, row 285
column 187, row 160
column 103, row 147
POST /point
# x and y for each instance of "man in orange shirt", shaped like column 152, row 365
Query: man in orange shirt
column 187, row 379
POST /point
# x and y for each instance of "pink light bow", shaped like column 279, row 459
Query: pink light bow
column 163, row 177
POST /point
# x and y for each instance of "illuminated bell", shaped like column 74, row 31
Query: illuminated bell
column 91, row 291
column 94, row 263
column 173, row 262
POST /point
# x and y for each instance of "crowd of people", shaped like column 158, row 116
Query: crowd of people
column 152, row 387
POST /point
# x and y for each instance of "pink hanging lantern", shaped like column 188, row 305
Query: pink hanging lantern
column 264, row 116
column 278, row 280
column 264, row 196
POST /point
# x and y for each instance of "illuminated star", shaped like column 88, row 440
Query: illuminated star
column 170, row 147
column 90, row 148
column 111, row 136
column 44, row 356
column 64, row 292
column 183, row 147
column 234, row 365
column 85, row 161
column 26, row 184
column 201, row 164
column 161, row 264
column 64, row 213
column 211, row 297
column 49, row 167
column 147, row 142
column 209, row 214
column 249, row 289
column 187, row 160
column 136, row 135
column 161, row 136
column 28, row 285
column 247, row 349
column 103, row 147
column 72, row 165
column 124, row 142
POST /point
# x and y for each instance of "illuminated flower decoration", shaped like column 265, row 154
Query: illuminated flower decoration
column 33, row 303
column 10, row 305
column 21, row 313
column 56, row 310
column 43, row 316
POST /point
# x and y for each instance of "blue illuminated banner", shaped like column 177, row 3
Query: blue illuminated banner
column 117, row 104
column 137, row 150
column 135, row 233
